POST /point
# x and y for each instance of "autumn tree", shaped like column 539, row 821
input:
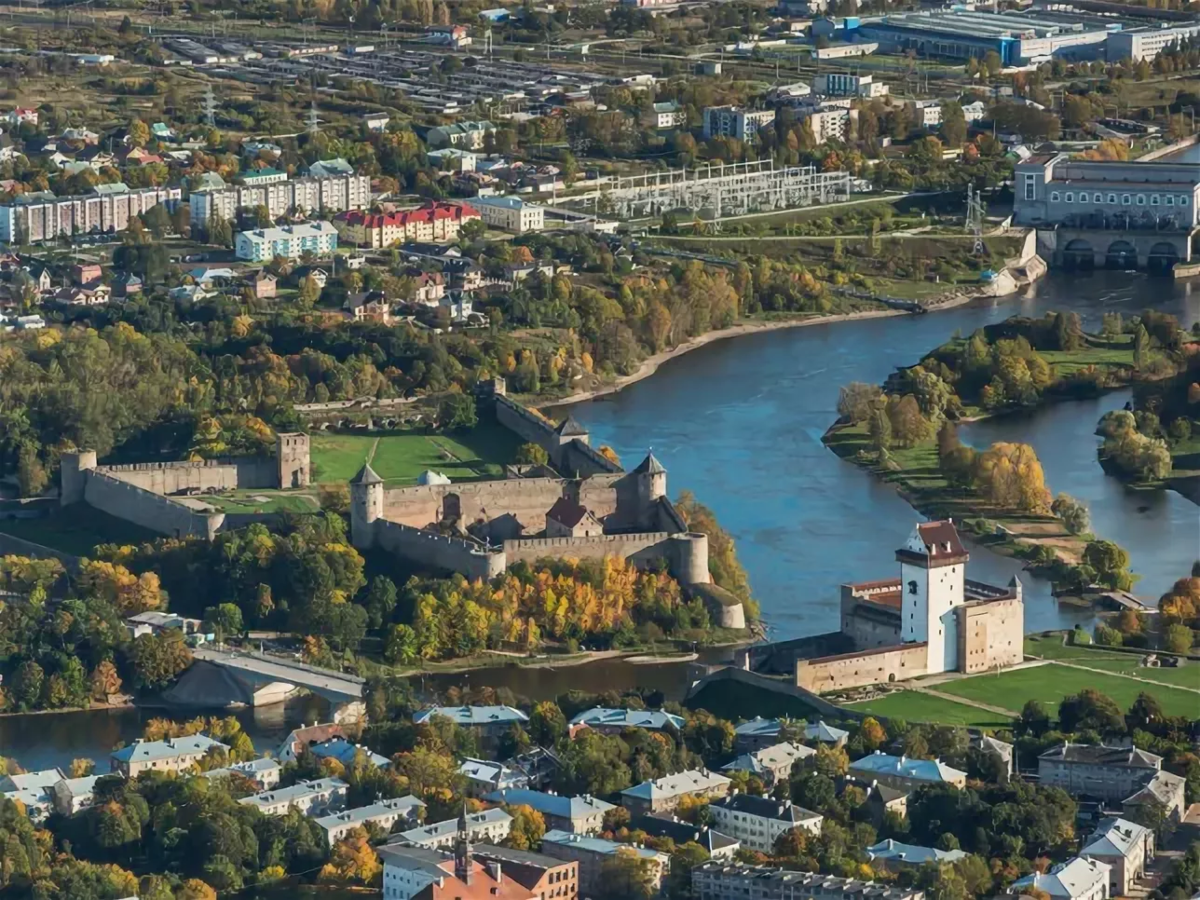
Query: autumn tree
column 857, row 400
column 909, row 425
column 1010, row 475
column 158, row 659
column 527, row 828
column 352, row 861
column 104, row 680
column 530, row 454
column 1073, row 512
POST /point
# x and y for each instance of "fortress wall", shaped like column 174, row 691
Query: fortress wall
column 528, row 499
column 208, row 474
column 835, row 673
column 645, row 548
column 436, row 551
column 668, row 516
column 602, row 494
column 150, row 510
column 528, row 426
column 991, row 634
column 580, row 460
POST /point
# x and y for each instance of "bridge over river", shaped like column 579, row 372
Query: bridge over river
column 221, row 677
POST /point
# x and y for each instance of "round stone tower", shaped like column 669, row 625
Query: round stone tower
column 366, row 506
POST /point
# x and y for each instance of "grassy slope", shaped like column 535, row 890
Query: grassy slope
column 1051, row 683
column 1051, row 647
column 78, row 529
column 913, row 706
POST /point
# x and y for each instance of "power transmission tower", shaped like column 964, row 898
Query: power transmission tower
column 314, row 124
column 974, row 223
column 210, row 106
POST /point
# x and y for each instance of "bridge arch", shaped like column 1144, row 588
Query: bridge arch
column 1079, row 254
column 1162, row 257
column 1121, row 255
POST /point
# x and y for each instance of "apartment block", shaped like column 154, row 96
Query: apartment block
column 757, row 821
column 511, row 214
column 331, row 192
column 666, row 793
column 715, row 880
column 288, row 241
column 735, row 122
column 33, row 218
column 170, row 755
column 313, row 798
column 592, row 852
column 1106, row 773
column 384, row 814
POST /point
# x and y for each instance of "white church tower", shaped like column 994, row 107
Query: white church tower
column 933, row 564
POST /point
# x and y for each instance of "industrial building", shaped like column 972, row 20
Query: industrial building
column 731, row 121
column 1015, row 37
column 1146, row 43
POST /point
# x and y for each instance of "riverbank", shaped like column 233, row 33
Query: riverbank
column 651, row 364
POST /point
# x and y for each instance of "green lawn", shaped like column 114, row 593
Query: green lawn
column 1051, row 647
column 1051, row 683
column 246, row 502
column 77, row 530
column 913, row 706
column 401, row 456
column 1117, row 353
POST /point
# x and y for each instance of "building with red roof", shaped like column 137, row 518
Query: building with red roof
column 435, row 221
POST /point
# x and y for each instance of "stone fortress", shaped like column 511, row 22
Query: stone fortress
column 581, row 506
column 167, row 497
column 932, row 619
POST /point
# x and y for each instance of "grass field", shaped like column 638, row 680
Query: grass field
column 77, row 530
column 247, row 502
column 913, row 706
column 1051, row 683
column 1052, row 647
column 1117, row 354
column 402, row 456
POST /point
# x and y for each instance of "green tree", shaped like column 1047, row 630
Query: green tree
column 1141, row 347
column 1178, row 638
column 158, row 659
column 625, row 876
column 1073, row 512
column 401, row 647
column 1110, row 563
column 456, row 412
column 224, row 620
column 531, row 454
column 381, row 601
column 310, row 291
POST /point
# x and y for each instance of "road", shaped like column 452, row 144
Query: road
column 329, row 684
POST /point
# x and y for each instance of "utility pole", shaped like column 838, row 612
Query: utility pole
column 314, row 124
column 210, row 106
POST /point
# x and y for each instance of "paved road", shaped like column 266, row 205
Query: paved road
column 329, row 684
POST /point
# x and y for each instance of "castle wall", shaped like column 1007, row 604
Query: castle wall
column 142, row 507
column 604, row 494
column 645, row 548
column 526, row 499
column 437, row 551
column 991, row 634
column 199, row 475
column 580, row 460
column 528, row 426
column 850, row 670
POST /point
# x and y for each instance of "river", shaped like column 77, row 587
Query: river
column 739, row 422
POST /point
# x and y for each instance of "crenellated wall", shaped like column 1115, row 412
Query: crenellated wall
column 991, row 634
column 199, row 475
column 438, row 551
column 849, row 670
column 580, row 460
column 528, row 426
column 525, row 499
column 142, row 507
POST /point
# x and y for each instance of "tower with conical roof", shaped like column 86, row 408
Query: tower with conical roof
column 366, row 506
column 651, row 482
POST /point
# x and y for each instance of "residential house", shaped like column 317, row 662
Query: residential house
column 771, row 764
column 86, row 273
column 263, row 772
column 926, row 113
column 153, row 621
column 305, row 737
column 262, row 283
column 486, row 826
column 592, row 852
column 435, row 221
column 757, row 821
column 313, row 798
column 327, row 167
column 319, row 276
column 569, row 519
column 485, row 776
column 881, row 800
column 974, row 112
column 377, row 122
column 168, row 755
column 33, row 790
column 1076, row 879
column 346, row 752
column 1126, row 847
column 490, row 722
column 464, row 135
column 997, row 748
column 1094, row 770
column 22, row 114
column 384, row 814
column 668, row 114
column 453, row 159
column 428, row 287
column 541, row 875
column 267, row 175
column 614, row 721
column 511, row 214
column 665, row 794
column 719, row 880
column 71, row 795
column 80, row 136
column 895, row 856
column 368, row 306
column 473, row 880
column 825, row 734
column 579, row 815
column 904, row 773
column 716, row 844
column 1164, row 788
column 126, row 284
column 756, row 733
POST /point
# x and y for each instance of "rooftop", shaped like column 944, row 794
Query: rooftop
column 769, row 758
column 766, row 808
column 406, row 805
column 1074, row 878
column 448, row 827
column 693, row 780
column 912, row 854
column 30, row 781
column 932, row 770
column 469, row 715
column 598, row 845
column 1100, row 755
column 300, row 791
column 1115, row 837
column 685, row 832
column 653, row 719
column 803, row 884
column 567, row 512
column 555, row 804
column 171, row 748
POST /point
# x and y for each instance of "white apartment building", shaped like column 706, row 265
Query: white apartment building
column 735, row 122
column 1126, row 847
column 668, row 114
column 771, row 764
column 926, row 113
column 511, row 214
column 41, row 216
column 666, row 793
column 385, row 814
column 844, row 84
column 33, row 790
column 170, row 755
column 288, row 241
column 408, row 870
column 1076, row 879
column 313, row 798
column 828, row 124
column 490, row 826
column 758, row 821
column 973, row 112
column 1106, row 773
column 264, row 772
column 329, row 192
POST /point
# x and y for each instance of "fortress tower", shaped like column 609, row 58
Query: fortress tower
column 74, row 472
column 366, row 505
column 291, row 455
column 651, row 481
column 932, row 583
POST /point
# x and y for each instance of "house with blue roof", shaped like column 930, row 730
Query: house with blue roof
column 578, row 815
column 344, row 752
column 904, row 773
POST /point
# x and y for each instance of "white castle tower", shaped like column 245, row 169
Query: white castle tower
column 933, row 564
